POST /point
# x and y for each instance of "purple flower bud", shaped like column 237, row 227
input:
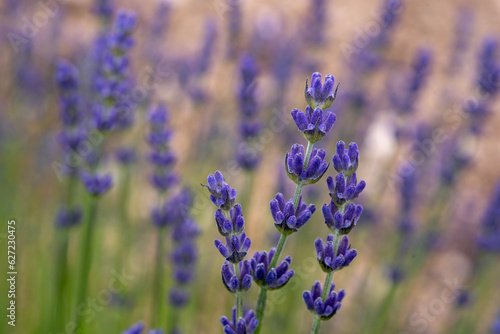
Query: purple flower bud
column 313, row 124
column 246, row 325
column 312, row 173
column 324, row 309
column 288, row 219
column 271, row 278
column 346, row 161
column 320, row 96
column 221, row 194
column 344, row 190
column 96, row 184
column 135, row 329
column 330, row 259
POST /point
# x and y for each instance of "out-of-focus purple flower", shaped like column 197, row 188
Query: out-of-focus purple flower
column 68, row 217
column 312, row 173
column 320, row 95
column 234, row 27
column 69, row 100
column 178, row 297
column 221, row 194
column 245, row 325
column 315, row 31
column 489, row 239
column 345, row 222
column 331, row 259
column 126, row 156
column 232, row 282
column 344, row 189
column 313, row 124
column 207, row 48
column 495, row 327
column 404, row 96
column 236, row 247
column 346, row 161
column 96, row 184
column 135, row 329
column 250, row 127
column 287, row 218
column 327, row 308
column 489, row 68
column 104, row 8
column 463, row 33
column 270, row 278
column 161, row 20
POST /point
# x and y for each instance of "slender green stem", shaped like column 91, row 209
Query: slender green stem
column 326, row 291
column 261, row 305
column 239, row 299
column 316, row 324
column 158, row 278
column 124, row 224
column 308, row 153
column 85, row 261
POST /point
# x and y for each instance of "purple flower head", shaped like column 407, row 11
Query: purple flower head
column 245, row 325
column 163, row 181
column 120, row 39
column 185, row 253
column 343, row 223
column 231, row 281
column 320, row 95
column 324, row 309
column 221, row 194
column 287, row 218
column 178, row 297
column 231, row 226
column 236, row 247
column 126, row 156
column 68, row 217
column 330, row 259
column 69, row 100
column 346, row 161
column 96, row 184
column 207, row 50
column 271, row 278
column 313, row 124
column 135, row 329
column 316, row 166
column 344, row 189
column 489, row 67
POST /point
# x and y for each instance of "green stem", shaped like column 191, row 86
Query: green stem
column 316, row 324
column 158, row 278
column 239, row 299
column 261, row 306
column 85, row 261
column 124, row 219
column 308, row 153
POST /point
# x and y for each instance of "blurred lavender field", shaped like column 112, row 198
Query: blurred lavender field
column 112, row 113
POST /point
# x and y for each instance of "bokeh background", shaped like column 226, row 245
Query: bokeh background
column 408, row 75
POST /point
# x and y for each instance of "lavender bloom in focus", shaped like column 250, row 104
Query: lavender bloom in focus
column 287, row 218
column 246, row 325
column 315, row 169
column 343, row 223
column 346, row 161
column 320, row 95
column 235, row 248
column 331, row 259
column 221, row 194
column 325, row 309
column 270, row 278
column 232, row 282
column 344, row 189
column 313, row 124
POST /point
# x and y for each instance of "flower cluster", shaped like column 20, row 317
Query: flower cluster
column 333, row 257
column 160, row 156
column 97, row 184
column 288, row 218
column 267, row 277
column 247, row 157
column 236, row 271
column 326, row 308
column 297, row 169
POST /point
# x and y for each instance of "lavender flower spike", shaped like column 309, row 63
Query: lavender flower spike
column 330, row 259
column 319, row 95
column 232, row 282
column 313, row 124
column 344, row 190
column 287, row 218
column 324, row 309
column 316, row 167
column 221, row 194
column 236, row 247
column 96, row 184
column 228, row 227
column 343, row 223
column 270, row 278
column 246, row 325
column 346, row 161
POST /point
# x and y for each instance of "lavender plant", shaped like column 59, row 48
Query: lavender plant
column 236, row 271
